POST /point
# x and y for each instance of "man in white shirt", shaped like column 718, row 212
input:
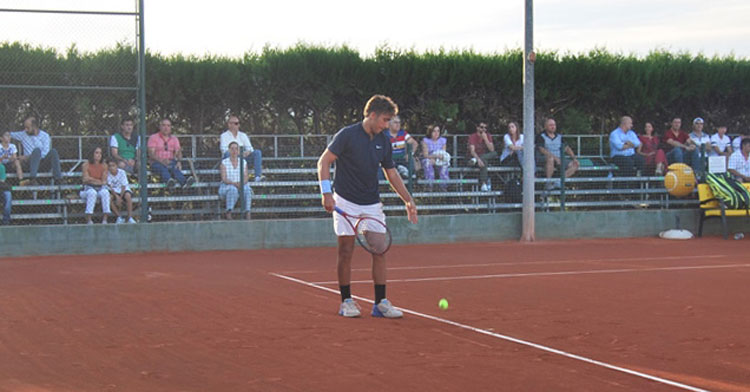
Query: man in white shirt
column 37, row 149
column 253, row 156
column 739, row 162
column 721, row 144
column 701, row 141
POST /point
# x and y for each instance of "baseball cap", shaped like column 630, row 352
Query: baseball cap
column 698, row 120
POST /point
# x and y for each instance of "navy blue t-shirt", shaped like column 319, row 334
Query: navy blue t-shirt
column 359, row 159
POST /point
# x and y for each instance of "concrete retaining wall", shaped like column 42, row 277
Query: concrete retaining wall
column 194, row 236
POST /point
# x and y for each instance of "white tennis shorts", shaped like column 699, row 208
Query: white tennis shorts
column 340, row 227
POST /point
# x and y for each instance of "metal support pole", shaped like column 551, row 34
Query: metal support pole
column 142, row 177
column 527, row 230
column 563, row 166
column 410, row 184
column 241, row 162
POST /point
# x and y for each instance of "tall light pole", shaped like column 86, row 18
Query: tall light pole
column 527, row 230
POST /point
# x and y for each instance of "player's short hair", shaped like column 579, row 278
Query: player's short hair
column 126, row 119
column 380, row 104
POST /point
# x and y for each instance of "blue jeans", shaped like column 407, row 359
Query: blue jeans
column 681, row 155
column 7, row 198
column 51, row 160
column 255, row 159
column 167, row 172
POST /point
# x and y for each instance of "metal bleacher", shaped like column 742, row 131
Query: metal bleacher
column 290, row 189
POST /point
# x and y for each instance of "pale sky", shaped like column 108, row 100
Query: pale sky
column 231, row 28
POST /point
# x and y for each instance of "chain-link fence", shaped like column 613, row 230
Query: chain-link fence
column 68, row 76
column 77, row 76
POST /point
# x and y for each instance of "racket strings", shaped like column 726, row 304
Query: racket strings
column 373, row 235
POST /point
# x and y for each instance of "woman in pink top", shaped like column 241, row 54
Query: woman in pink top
column 655, row 158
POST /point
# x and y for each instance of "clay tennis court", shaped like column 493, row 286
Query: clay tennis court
column 586, row 315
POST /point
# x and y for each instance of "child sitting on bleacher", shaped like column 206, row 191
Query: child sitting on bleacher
column 119, row 188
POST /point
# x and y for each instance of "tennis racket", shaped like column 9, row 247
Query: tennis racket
column 372, row 234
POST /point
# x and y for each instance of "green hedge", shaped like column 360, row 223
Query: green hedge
column 314, row 90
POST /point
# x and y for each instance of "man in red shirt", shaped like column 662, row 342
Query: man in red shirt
column 678, row 146
column 482, row 151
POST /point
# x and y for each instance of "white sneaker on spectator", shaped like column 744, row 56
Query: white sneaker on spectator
column 472, row 162
column 119, row 220
column 171, row 184
column 386, row 309
column 259, row 179
column 131, row 220
column 484, row 188
column 349, row 308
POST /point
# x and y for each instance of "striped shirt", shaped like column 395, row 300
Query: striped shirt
column 31, row 142
column 6, row 153
column 233, row 172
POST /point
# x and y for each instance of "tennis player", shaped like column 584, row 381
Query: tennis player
column 360, row 150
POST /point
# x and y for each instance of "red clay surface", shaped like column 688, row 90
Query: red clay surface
column 219, row 321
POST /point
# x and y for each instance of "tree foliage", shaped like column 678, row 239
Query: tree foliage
column 307, row 89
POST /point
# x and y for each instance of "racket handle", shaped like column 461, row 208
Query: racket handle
column 339, row 210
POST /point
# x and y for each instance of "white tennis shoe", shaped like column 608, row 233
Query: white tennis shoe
column 386, row 309
column 349, row 308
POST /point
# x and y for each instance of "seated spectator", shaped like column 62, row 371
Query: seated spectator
column 233, row 134
column 5, row 197
column 165, row 154
column 739, row 162
column 654, row 158
column 512, row 154
column 721, row 145
column 549, row 145
column 702, row 143
column 399, row 139
column 37, row 150
column 229, row 190
column 119, row 189
column 433, row 156
column 738, row 140
column 678, row 146
column 94, row 174
column 124, row 146
column 9, row 155
column 622, row 144
column 482, row 151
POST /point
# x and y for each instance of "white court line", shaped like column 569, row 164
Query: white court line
column 514, row 340
column 627, row 259
column 527, row 274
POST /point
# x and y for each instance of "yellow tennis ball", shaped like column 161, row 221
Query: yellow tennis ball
column 679, row 180
column 443, row 303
